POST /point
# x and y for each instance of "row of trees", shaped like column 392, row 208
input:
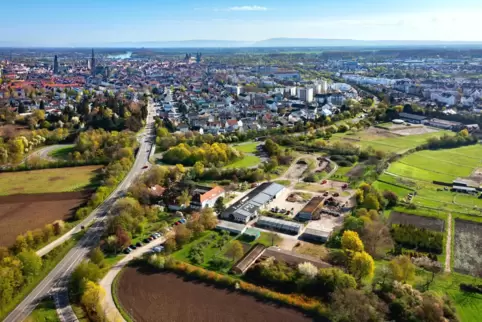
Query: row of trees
column 420, row 239
column 216, row 154
column 450, row 141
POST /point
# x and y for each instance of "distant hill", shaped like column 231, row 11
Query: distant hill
column 316, row 42
column 182, row 44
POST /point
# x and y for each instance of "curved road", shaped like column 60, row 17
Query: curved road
column 44, row 153
column 56, row 281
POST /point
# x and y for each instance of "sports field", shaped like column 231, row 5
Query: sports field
column 247, row 147
column 47, row 180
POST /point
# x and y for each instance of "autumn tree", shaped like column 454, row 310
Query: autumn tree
column 362, row 266
column 170, row 245
column 122, row 238
column 376, row 238
column 208, row 219
column 182, row 234
column 236, row 250
column 97, row 256
column 350, row 241
column 91, row 300
column 402, row 269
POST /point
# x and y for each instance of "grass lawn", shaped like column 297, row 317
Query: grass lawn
column 283, row 182
column 48, row 180
column 247, row 162
column 341, row 173
column 44, row 312
column 247, row 147
column 62, row 153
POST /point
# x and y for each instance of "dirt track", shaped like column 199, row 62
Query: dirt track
column 168, row 297
column 19, row 213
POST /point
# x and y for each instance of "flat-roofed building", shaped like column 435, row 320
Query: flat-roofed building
column 248, row 207
column 311, row 209
column 316, row 235
column 280, row 225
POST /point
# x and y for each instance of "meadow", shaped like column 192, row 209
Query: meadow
column 48, row 180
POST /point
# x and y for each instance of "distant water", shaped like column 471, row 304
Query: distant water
column 127, row 55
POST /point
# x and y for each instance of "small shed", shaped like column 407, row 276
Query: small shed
column 252, row 233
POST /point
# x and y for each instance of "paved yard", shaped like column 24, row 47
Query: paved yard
column 326, row 222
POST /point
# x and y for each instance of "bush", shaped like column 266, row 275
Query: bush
column 471, row 288
column 421, row 239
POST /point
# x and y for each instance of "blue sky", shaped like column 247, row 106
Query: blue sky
column 90, row 22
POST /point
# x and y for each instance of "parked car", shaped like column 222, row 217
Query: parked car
column 146, row 240
column 344, row 186
column 183, row 221
column 139, row 244
column 145, row 167
column 127, row 250
column 323, row 182
column 132, row 246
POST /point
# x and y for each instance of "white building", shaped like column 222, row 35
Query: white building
column 305, row 94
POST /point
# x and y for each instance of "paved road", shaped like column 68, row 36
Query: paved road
column 44, row 153
column 56, row 281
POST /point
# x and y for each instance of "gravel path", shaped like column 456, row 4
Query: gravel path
column 448, row 246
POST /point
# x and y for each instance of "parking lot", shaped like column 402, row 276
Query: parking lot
column 326, row 222
column 282, row 203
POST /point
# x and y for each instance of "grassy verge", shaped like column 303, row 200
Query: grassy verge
column 49, row 262
column 44, row 312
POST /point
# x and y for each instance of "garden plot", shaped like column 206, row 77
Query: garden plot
column 417, row 221
column 468, row 247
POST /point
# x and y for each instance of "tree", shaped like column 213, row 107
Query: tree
column 402, row 269
column 308, row 270
column 331, row 279
column 183, row 235
column 236, row 250
column 85, row 272
column 97, row 256
column 432, row 266
column 354, row 305
column 198, row 168
column 208, row 219
column 31, row 263
column 351, row 241
column 391, row 197
column 20, row 244
column 91, row 300
column 112, row 243
column 371, row 202
column 170, row 245
column 362, row 266
column 184, row 199
column 376, row 238
column 122, row 237
column 219, row 206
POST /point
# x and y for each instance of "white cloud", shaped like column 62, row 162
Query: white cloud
column 247, row 8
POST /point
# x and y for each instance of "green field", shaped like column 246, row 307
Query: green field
column 380, row 142
column 44, row 312
column 62, row 153
column 417, row 171
column 248, row 147
column 48, row 180
column 247, row 161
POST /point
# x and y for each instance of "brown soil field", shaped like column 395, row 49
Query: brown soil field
column 156, row 297
column 417, row 221
column 19, row 213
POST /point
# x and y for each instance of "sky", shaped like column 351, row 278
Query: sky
column 95, row 22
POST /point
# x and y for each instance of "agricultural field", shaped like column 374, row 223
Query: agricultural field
column 416, row 173
column 48, row 180
column 394, row 141
column 150, row 296
column 19, row 213
column 417, row 221
column 248, row 161
column 467, row 247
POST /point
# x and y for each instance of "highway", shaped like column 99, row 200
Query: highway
column 56, row 282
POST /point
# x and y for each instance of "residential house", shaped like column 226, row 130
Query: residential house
column 203, row 197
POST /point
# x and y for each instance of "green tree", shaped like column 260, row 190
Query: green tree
column 208, row 219
column 198, row 168
column 219, row 206
column 97, row 256
column 31, row 263
column 371, row 202
column 184, row 198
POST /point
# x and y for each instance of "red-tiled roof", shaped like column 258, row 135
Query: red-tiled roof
column 157, row 190
column 213, row 193
column 232, row 122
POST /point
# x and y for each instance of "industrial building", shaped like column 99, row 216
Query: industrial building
column 312, row 208
column 316, row 235
column 248, row 207
column 280, row 225
column 231, row 227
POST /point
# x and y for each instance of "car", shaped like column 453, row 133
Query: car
column 139, row 244
column 323, row 182
column 344, row 186
column 176, row 223
column 150, row 238
column 82, row 227
column 146, row 240
column 145, row 167
column 127, row 250
column 132, row 246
